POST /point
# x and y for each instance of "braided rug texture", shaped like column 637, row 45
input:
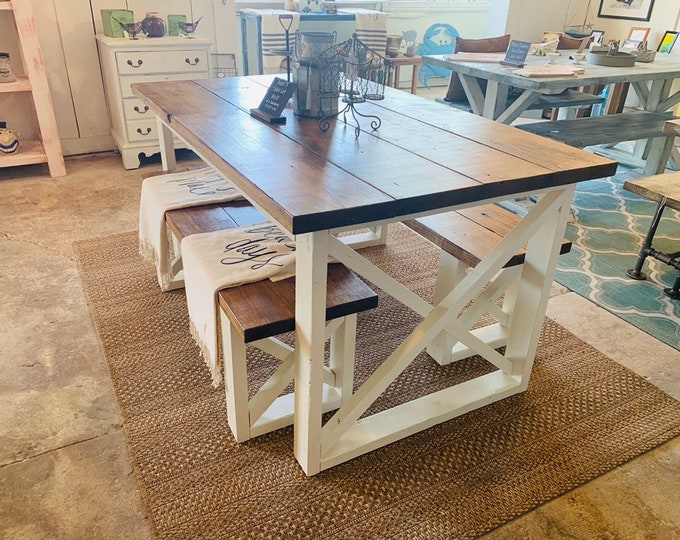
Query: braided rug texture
column 582, row 415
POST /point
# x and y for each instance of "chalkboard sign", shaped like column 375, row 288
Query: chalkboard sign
column 274, row 102
column 517, row 54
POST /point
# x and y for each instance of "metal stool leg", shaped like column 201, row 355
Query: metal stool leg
column 636, row 273
column 674, row 291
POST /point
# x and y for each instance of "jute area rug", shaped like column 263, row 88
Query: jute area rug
column 582, row 415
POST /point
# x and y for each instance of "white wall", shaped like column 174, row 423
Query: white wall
column 66, row 30
column 528, row 19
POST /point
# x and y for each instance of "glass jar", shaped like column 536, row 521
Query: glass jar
column 153, row 25
column 6, row 74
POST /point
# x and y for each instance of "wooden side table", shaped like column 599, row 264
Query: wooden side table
column 400, row 61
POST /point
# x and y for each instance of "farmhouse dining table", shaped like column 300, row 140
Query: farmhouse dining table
column 425, row 158
column 652, row 82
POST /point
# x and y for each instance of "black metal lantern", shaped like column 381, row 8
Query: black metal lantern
column 355, row 72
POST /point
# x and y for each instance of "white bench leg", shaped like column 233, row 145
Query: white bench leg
column 374, row 236
column 450, row 272
column 267, row 410
column 343, row 344
column 659, row 152
column 445, row 348
column 235, row 380
column 175, row 267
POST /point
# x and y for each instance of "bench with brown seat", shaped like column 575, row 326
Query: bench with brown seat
column 254, row 313
column 465, row 237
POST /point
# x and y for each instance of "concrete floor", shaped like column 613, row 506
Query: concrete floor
column 64, row 467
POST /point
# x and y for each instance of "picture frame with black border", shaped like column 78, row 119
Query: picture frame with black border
column 667, row 41
column 626, row 9
column 598, row 37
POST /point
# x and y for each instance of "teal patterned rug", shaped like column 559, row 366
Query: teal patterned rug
column 608, row 230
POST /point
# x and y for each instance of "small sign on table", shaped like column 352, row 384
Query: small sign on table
column 517, row 54
column 274, row 102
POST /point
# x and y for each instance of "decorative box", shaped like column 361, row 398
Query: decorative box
column 110, row 18
column 173, row 24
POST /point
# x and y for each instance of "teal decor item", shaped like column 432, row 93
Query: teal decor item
column 9, row 141
column 173, row 24
column 607, row 232
column 111, row 19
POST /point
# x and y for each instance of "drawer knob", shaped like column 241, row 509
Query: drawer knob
column 146, row 108
column 139, row 63
column 148, row 130
column 194, row 63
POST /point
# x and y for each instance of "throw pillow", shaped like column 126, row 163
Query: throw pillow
column 455, row 92
column 566, row 43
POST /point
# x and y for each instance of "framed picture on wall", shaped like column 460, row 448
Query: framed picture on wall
column 635, row 10
column 667, row 41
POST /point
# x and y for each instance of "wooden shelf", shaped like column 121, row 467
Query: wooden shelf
column 22, row 84
column 48, row 148
column 29, row 153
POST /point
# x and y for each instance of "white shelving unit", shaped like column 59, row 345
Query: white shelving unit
column 47, row 148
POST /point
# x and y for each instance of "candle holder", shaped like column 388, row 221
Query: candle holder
column 358, row 74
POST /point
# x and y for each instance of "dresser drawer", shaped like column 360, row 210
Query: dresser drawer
column 134, row 109
column 126, row 81
column 142, row 130
column 145, row 62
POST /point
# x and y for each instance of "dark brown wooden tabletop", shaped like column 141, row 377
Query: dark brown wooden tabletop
column 423, row 158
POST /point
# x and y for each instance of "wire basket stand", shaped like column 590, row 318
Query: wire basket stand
column 358, row 74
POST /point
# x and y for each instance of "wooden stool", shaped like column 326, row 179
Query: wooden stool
column 400, row 61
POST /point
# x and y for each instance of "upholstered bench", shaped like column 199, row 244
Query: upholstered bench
column 464, row 238
column 254, row 313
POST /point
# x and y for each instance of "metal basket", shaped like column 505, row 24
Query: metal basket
column 224, row 65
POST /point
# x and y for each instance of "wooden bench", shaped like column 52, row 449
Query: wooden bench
column 256, row 312
column 664, row 189
column 570, row 99
column 612, row 129
column 465, row 237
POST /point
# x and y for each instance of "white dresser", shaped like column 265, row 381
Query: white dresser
column 126, row 61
